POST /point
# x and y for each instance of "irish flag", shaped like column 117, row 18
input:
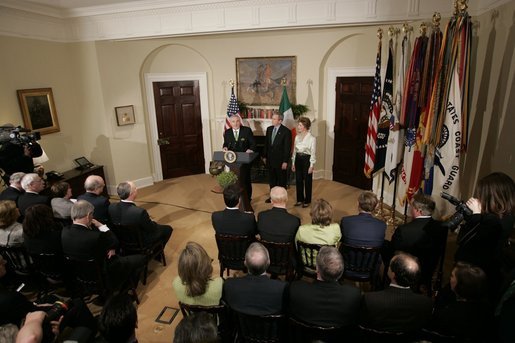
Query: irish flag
column 285, row 109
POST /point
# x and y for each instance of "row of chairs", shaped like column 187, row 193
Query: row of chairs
column 361, row 263
column 48, row 272
column 239, row 327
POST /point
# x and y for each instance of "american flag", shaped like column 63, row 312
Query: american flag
column 232, row 110
column 373, row 118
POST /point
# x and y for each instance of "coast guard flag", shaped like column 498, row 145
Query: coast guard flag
column 395, row 147
column 373, row 118
column 232, row 110
column 448, row 151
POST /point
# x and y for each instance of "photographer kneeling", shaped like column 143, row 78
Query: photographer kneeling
column 486, row 231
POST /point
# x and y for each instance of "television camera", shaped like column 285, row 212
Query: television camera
column 17, row 148
column 462, row 211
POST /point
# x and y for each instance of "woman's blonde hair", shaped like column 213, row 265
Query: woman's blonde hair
column 195, row 269
column 321, row 212
column 8, row 213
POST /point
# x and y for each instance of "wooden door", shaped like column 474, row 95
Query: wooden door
column 179, row 128
column 353, row 96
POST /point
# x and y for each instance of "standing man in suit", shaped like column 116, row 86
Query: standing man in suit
column 325, row 302
column 94, row 186
column 277, row 225
column 277, row 152
column 232, row 221
column 15, row 189
column 255, row 293
column 397, row 308
column 363, row 229
column 126, row 213
column 423, row 237
column 32, row 184
column 87, row 238
column 240, row 139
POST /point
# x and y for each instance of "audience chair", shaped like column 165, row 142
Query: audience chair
column 131, row 243
column 281, row 259
column 231, row 252
column 306, row 258
column 51, row 272
column 88, row 277
column 361, row 263
column 302, row 332
column 219, row 312
column 369, row 335
column 260, row 329
column 20, row 266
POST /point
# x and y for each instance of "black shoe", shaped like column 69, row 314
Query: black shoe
column 268, row 200
column 306, row 204
column 298, row 203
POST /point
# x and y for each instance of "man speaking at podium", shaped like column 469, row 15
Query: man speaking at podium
column 240, row 139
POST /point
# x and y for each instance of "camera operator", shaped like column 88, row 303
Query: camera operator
column 17, row 150
column 485, row 231
column 14, row 306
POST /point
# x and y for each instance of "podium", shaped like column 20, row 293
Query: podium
column 235, row 161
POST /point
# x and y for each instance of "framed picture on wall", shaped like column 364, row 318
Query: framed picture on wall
column 260, row 79
column 38, row 110
column 125, row 115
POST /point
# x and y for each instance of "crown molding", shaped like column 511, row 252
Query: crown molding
column 166, row 18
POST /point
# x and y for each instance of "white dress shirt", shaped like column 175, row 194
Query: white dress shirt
column 306, row 145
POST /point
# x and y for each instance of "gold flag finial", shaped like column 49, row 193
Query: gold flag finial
column 436, row 20
column 423, row 29
column 462, row 6
column 391, row 31
column 231, row 83
column 283, row 81
column 380, row 33
column 406, row 28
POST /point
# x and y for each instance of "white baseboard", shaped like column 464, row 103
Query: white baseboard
column 140, row 183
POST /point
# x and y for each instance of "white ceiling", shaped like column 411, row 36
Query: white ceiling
column 92, row 20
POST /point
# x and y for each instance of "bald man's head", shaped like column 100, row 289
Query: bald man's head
column 278, row 196
column 94, row 184
column 404, row 270
column 257, row 259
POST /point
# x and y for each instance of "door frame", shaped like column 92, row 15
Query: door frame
column 201, row 77
column 330, row 105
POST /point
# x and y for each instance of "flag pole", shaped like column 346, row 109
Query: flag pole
column 393, row 220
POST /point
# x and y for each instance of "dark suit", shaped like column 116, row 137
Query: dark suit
column 256, row 295
column 423, row 238
column 277, row 225
column 324, row 303
column 395, row 309
column 276, row 154
column 363, row 230
column 234, row 222
column 127, row 213
column 29, row 199
column 101, row 204
column 11, row 193
column 89, row 243
column 245, row 141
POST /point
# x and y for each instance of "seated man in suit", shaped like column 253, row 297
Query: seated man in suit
column 277, row 225
column 325, row 302
column 255, row 293
column 87, row 238
column 397, row 308
column 232, row 221
column 94, row 186
column 32, row 184
column 14, row 190
column 126, row 213
column 423, row 237
column 363, row 229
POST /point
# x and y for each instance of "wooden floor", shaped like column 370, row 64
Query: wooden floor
column 187, row 203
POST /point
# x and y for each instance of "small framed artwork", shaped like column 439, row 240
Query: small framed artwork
column 125, row 115
column 260, row 80
column 38, row 110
